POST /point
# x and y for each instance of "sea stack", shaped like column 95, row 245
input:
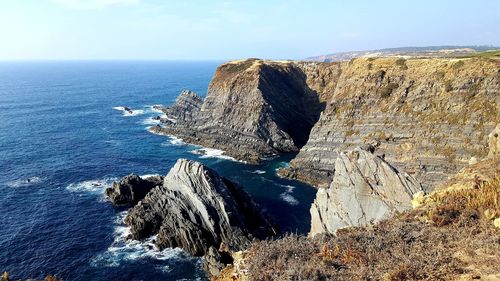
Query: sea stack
column 201, row 212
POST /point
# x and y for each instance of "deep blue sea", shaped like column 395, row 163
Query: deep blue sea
column 62, row 141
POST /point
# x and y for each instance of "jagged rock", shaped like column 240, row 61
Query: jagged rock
column 131, row 189
column 494, row 142
column 186, row 106
column 364, row 190
column 255, row 108
column 196, row 209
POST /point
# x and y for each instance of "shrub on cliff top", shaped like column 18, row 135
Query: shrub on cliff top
column 407, row 247
column 386, row 91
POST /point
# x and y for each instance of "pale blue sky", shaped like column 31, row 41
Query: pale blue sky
column 277, row 29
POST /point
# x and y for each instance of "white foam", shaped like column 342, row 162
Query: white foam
column 212, row 153
column 129, row 113
column 282, row 165
column 153, row 109
column 149, row 176
column 25, row 182
column 123, row 249
column 150, row 121
column 94, row 186
column 169, row 119
column 260, row 172
column 287, row 195
column 176, row 141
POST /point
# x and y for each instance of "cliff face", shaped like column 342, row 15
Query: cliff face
column 256, row 108
column 427, row 116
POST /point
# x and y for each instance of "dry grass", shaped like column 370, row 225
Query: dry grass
column 450, row 237
column 449, row 206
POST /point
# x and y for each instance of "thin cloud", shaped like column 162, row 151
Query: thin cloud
column 93, row 4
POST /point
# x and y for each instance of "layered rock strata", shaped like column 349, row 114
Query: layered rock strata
column 186, row 106
column 254, row 108
column 429, row 117
column 196, row 209
column 364, row 190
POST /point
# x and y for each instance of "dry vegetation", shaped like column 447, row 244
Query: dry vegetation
column 450, row 237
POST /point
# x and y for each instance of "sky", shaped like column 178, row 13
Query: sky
column 222, row 30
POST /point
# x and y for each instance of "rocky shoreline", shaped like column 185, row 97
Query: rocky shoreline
column 371, row 134
column 195, row 209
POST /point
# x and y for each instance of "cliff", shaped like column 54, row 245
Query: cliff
column 255, row 108
column 452, row 234
column 429, row 117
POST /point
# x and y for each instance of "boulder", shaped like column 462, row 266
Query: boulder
column 494, row 142
column 364, row 190
column 131, row 189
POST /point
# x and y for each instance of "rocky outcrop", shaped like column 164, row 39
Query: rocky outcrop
column 186, row 106
column 131, row 189
column 364, row 190
column 256, row 108
column 196, row 209
column 428, row 116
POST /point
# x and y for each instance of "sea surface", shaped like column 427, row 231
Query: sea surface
column 64, row 139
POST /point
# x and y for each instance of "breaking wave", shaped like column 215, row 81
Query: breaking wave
column 25, row 182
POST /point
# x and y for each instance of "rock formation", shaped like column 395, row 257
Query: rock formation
column 255, row 108
column 364, row 190
column 421, row 113
column 196, row 209
column 186, row 106
column 428, row 116
column 131, row 189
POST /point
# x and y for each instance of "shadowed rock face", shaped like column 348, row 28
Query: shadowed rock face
column 196, row 209
column 131, row 189
column 255, row 108
column 364, row 190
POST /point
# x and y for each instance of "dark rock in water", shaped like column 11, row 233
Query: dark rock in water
column 196, row 209
column 131, row 189
column 128, row 109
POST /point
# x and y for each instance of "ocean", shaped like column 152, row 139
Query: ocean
column 64, row 139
